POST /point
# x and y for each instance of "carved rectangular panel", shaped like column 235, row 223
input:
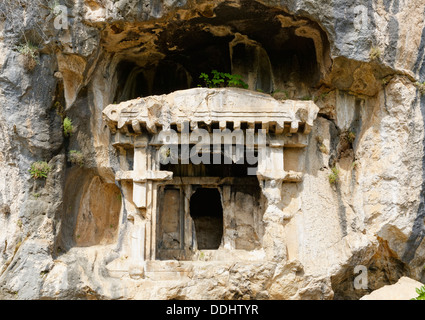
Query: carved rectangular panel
column 170, row 233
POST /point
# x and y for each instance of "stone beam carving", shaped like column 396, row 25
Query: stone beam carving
column 225, row 106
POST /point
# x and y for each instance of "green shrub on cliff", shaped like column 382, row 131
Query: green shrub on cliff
column 334, row 176
column 221, row 80
column 67, row 127
column 421, row 293
column 30, row 53
column 39, row 169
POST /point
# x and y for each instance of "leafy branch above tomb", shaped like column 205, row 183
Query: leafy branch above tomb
column 222, row 80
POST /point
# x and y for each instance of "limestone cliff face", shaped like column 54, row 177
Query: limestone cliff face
column 361, row 62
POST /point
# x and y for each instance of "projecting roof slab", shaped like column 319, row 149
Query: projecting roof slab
column 222, row 105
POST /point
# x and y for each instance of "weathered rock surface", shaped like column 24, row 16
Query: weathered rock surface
column 360, row 63
column 404, row 289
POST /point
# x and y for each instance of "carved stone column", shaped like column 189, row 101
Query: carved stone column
column 137, row 245
column 271, row 175
column 140, row 169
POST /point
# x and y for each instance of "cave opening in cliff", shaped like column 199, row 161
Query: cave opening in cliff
column 209, row 206
column 207, row 213
column 272, row 51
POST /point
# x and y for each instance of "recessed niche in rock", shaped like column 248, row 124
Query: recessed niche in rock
column 207, row 214
column 272, row 51
column 92, row 210
column 98, row 214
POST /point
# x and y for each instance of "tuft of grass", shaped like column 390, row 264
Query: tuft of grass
column 76, row 158
column 40, row 169
column 334, row 176
column 68, row 128
column 30, row 53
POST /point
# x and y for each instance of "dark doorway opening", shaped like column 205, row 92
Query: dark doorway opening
column 207, row 213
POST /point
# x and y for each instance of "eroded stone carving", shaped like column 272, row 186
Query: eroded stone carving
column 275, row 125
column 211, row 105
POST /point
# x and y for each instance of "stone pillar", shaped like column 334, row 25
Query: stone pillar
column 271, row 175
column 228, row 219
column 274, row 236
column 188, row 222
column 137, row 259
column 140, row 169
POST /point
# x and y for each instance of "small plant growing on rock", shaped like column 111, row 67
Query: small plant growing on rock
column 44, row 273
column 351, row 136
column 321, row 145
column 280, row 94
column 421, row 293
column 36, row 195
column 334, row 176
column 323, row 149
column 76, row 158
column 30, row 53
column 375, row 53
column 222, row 80
column 324, row 95
column 40, row 169
column 421, row 87
column 386, row 80
column 67, row 127
column 59, row 109
column 348, row 137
